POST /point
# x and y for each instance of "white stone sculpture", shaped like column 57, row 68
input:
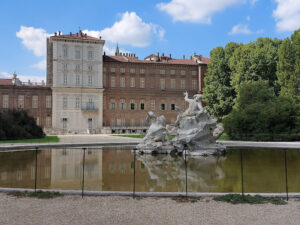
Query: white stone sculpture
column 196, row 132
column 156, row 139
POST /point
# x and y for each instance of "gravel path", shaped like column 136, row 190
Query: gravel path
column 124, row 210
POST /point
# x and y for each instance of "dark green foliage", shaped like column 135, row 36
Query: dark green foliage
column 255, row 61
column 38, row 194
column 218, row 93
column 260, row 115
column 17, row 124
column 289, row 67
column 256, row 199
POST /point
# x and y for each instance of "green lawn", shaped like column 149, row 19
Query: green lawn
column 34, row 140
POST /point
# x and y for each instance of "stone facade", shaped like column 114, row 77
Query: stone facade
column 75, row 76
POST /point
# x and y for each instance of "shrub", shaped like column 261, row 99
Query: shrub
column 17, row 124
column 261, row 116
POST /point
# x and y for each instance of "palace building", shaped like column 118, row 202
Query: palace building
column 91, row 92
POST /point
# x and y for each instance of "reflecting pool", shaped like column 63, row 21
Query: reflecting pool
column 111, row 169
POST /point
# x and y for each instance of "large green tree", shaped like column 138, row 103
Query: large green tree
column 288, row 72
column 218, row 93
column 255, row 61
column 258, row 114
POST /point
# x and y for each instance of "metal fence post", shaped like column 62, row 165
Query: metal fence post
column 242, row 172
column 35, row 172
column 186, row 182
column 286, row 176
column 134, row 156
column 83, row 163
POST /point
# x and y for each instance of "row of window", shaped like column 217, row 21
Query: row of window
column 34, row 103
column 66, row 79
column 140, row 106
column 142, row 83
column 161, row 72
column 89, row 105
column 122, row 122
column 78, row 67
column 78, row 53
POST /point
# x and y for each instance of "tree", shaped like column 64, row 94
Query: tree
column 218, row 93
column 258, row 114
column 288, row 68
column 255, row 61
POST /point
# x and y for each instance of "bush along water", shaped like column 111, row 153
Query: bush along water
column 17, row 124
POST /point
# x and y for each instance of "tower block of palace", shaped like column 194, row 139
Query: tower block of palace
column 74, row 73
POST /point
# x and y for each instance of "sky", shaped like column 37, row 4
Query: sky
column 177, row 27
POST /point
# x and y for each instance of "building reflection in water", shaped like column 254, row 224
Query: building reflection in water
column 66, row 169
column 111, row 169
column 17, row 169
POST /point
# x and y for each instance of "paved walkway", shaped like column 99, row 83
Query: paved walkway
column 141, row 211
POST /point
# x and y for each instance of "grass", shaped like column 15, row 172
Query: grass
column 137, row 135
column 34, row 140
column 256, row 199
column 130, row 135
column 38, row 194
column 224, row 137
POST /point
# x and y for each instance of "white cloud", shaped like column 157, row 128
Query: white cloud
column 23, row 78
column 130, row 30
column 287, row 15
column 33, row 39
column 240, row 29
column 5, row 75
column 197, row 11
column 40, row 65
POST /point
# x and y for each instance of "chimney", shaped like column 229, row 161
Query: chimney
column 163, row 54
column 103, row 53
column 59, row 33
column 170, row 55
column 85, row 34
column 134, row 55
column 100, row 37
column 55, row 34
column 191, row 57
column 183, row 57
column 157, row 54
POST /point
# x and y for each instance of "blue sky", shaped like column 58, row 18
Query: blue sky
column 179, row 27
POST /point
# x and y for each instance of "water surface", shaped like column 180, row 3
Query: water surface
column 111, row 169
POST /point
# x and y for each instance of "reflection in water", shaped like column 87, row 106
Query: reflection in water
column 111, row 169
column 168, row 173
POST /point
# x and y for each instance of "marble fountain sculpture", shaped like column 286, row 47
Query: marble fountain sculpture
column 195, row 133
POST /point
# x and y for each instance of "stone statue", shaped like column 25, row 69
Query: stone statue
column 156, row 139
column 195, row 133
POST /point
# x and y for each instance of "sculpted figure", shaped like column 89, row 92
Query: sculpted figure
column 195, row 105
column 156, row 139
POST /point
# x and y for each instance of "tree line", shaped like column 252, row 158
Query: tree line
column 254, row 88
